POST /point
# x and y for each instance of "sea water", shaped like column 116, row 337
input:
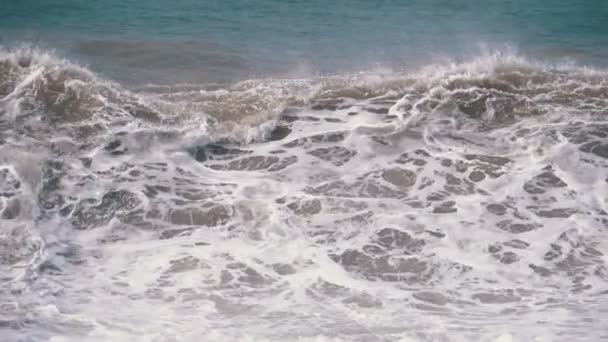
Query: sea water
column 303, row 171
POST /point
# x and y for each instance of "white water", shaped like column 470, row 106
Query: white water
column 465, row 202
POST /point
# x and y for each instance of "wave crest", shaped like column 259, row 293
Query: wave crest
column 41, row 95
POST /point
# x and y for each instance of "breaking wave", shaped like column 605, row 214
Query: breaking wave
column 460, row 201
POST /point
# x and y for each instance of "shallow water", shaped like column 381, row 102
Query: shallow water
column 460, row 200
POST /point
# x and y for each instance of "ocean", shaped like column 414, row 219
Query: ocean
column 270, row 170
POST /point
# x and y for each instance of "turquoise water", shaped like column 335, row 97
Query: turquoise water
column 236, row 39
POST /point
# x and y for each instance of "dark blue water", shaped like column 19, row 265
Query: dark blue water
column 224, row 40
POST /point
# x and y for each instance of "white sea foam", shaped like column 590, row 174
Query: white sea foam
column 461, row 202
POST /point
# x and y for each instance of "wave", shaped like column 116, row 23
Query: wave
column 472, row 190
column 44, row 95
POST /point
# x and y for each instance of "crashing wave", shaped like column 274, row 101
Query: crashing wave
column 468, row 194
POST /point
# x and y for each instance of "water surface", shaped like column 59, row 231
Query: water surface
column 303, row 171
